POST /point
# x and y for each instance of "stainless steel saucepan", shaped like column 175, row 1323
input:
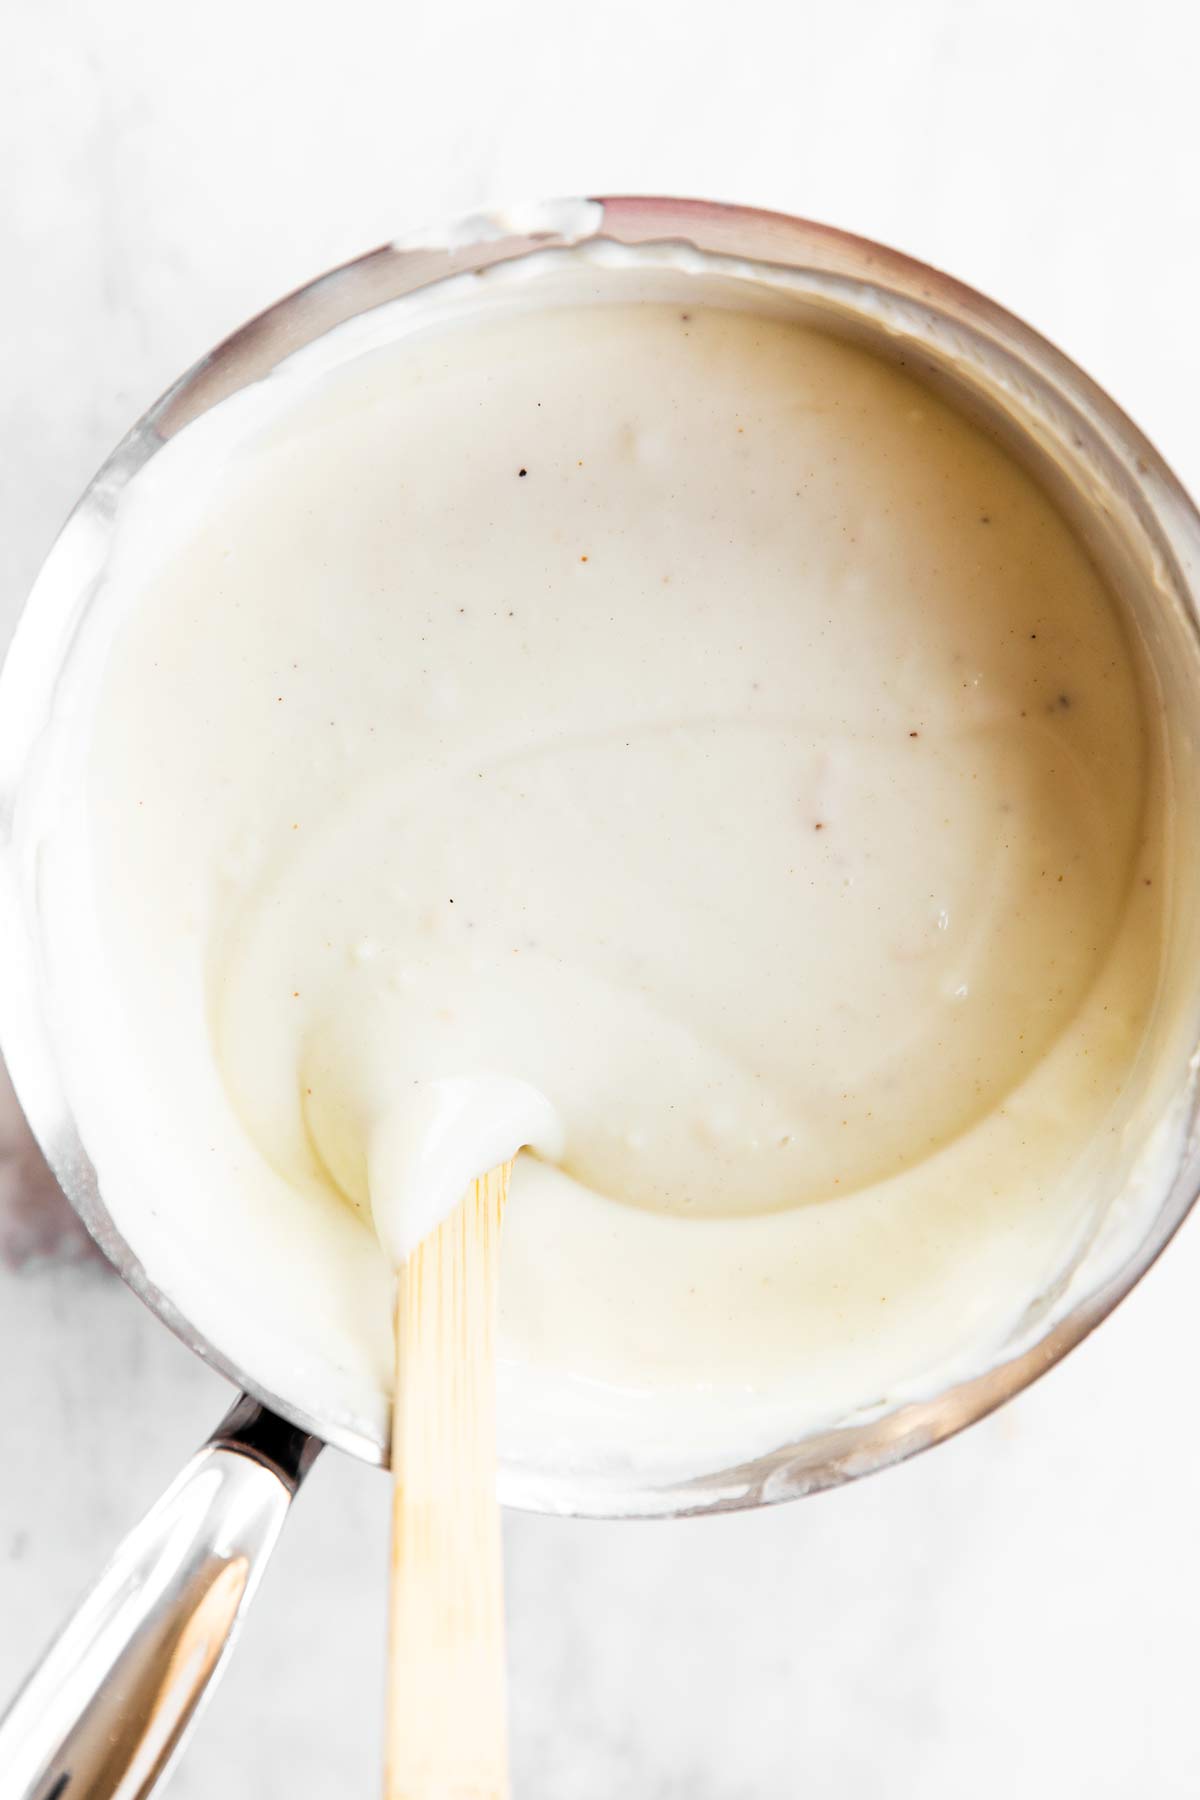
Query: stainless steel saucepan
column 109, row 1705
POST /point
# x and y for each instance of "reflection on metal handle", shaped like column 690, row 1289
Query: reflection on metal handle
column 105, row 1711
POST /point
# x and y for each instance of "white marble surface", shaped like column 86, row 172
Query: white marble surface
column 1012, row 1614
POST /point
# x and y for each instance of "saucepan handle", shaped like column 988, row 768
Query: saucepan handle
column 104, row 1712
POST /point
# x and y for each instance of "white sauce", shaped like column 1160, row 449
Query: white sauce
column 747, row 806
column 426, row 1143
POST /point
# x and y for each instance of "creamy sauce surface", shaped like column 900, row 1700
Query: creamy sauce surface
column 672, row 739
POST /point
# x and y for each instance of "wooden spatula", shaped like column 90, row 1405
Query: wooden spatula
column 447, row 1727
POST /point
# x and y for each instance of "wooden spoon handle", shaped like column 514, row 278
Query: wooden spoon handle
column 447, row 1726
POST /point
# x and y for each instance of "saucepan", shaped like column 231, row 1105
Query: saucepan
column 108, row 1707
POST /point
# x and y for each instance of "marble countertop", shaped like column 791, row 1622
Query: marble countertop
column 1013, row 1613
